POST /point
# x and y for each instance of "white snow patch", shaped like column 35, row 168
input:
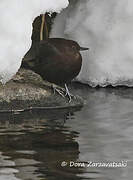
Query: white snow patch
column 106, row 27
column 15, row 30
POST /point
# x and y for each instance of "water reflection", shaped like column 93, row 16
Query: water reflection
column 33, row 145
column 37, row 143
column 106, row 130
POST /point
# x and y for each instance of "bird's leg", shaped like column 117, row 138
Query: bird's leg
column 58, row 89
column 68, row 93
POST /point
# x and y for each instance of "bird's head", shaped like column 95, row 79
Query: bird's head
column 76, row 47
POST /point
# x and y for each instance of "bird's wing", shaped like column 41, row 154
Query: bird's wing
column 46, row 49
column 40, row 49
column 39, row 53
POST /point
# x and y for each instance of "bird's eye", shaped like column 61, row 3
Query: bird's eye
column 73, row 47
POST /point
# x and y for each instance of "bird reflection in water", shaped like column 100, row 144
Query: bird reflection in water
column 43, row 141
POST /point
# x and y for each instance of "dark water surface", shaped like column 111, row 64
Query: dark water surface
column 42, row 145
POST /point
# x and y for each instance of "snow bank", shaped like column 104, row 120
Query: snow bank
column 16, row 28
column 106, row 26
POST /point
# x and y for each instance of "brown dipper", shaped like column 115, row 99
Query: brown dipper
column 57, row 60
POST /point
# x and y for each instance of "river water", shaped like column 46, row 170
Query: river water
column 74, row 144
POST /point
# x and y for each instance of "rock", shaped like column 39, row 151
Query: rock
column 27, row 90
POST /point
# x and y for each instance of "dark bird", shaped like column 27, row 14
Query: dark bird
column 57, row 60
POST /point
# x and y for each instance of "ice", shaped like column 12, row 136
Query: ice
column 106, row 27
column 16, row 28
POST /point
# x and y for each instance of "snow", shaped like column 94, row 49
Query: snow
column 106, row 27
column 16, row 28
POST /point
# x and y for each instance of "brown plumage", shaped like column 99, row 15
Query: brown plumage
column 57, row 60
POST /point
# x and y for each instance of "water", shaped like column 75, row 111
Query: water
column 34, row 145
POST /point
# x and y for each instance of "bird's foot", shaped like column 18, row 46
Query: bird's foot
column 59, row 90
column 63, row 92
column 70, row 96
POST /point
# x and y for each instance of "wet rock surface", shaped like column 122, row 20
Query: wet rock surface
column 27, row 90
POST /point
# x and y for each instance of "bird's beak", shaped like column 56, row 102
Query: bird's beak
column 83, row 48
